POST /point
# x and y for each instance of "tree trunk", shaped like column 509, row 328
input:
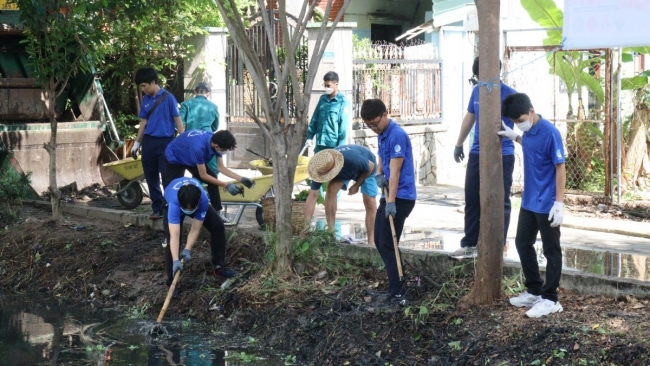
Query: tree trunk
column 55, row 194
column 487, row 285
column 637, row 147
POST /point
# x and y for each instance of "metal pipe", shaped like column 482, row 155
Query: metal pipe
column 619, row 127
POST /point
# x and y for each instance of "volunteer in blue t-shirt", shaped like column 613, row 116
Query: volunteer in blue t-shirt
column 192, row 150
column 472, row 175
column 159, row 120
column 541, row 204
column 339, row 166
column 395, row 172
column 185, row 197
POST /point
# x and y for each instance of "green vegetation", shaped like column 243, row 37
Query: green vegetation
column 14, row 187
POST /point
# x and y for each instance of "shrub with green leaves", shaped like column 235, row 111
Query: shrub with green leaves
column 13, row 185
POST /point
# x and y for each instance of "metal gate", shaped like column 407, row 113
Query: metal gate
column 406, row 78
column 241, row 94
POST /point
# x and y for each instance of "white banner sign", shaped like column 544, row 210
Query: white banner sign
column 606, row 23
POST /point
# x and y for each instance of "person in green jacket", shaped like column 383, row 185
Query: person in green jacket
column 329, row 125
column 200, row 113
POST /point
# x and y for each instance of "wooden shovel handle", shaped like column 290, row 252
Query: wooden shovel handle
column 170, row 293
column 392, row 229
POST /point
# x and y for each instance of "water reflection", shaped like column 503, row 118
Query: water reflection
column 607, row 263
column 35, row 333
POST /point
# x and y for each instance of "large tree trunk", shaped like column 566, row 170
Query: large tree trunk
column 55, row 194
column 487, row 285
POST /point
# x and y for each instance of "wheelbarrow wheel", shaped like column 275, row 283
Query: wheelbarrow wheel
column 132, row 196
column 259, row 216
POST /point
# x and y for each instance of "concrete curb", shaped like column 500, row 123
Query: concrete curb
column 607, row 230
column 440, row 262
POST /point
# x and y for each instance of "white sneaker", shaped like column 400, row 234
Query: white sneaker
column 467, row 252
column 544, row 307
column 224, row 218
column 525, row 300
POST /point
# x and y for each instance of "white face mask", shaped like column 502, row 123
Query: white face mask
column 329, row 91
column 524, row 126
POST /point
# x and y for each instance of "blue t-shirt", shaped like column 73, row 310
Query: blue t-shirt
column 191, row 148
column 161, row 122
column 174, row 208
column 507, row 146
column 394, row 142
column 543, row 149
column 356, row 160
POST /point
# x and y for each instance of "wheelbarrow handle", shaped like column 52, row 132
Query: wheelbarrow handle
column 303, row 150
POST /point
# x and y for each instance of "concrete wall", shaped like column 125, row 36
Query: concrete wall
column 427, row 142
column 209, row 65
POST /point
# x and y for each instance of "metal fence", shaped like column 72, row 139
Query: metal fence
column 406, row 78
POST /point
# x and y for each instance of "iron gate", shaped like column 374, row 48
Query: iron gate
column 241, row 94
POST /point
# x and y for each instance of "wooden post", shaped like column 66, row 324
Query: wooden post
column 487, row 287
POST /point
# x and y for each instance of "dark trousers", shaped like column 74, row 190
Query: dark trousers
column 473, row 199
column 173, row 171
column 384, row 239
column 217, row 231
column 530, row 223
column 153, row 164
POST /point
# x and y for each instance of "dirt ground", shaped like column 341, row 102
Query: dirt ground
column 329, row 312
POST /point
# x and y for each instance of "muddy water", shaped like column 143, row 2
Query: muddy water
column 575, row 257
column 35, row 332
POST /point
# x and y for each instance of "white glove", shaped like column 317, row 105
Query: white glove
column 134, row 149
column 508, row 132
column 309, row 143
column 556, row 215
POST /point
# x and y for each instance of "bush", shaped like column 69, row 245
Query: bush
column 13, row 185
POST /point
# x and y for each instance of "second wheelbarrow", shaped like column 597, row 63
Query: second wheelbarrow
column 130, row 189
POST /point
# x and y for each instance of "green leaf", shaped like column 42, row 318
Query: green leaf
column 635, row 82
column 627, row 57
column 546, row 14
column 593, row 85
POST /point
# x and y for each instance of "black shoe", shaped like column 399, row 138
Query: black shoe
column 224, row 272
column 156, row 216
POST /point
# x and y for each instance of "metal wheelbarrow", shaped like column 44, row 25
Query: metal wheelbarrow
column 130, row 190
column 252, row 197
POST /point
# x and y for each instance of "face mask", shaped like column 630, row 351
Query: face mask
column 188, row 212
column 524, row 126
column 329, row 91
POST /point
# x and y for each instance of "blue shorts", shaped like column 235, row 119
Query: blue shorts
column 369, row 186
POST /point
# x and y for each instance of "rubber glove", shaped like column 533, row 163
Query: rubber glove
column 390, row 209
column 508, row 132
column 459, row 155
column 381, row 181
column 247, row 182
column 178, row 266
column 134, row 149
column 233, row 189
column 185, row 255
column 556, row 215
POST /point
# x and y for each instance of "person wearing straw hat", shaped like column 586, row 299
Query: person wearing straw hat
column 339, row 166
column 396, row 174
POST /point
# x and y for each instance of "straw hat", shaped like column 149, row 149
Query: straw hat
column 325, row 165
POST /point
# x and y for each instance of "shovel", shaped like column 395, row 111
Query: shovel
column 397, row 256
column 158, row 329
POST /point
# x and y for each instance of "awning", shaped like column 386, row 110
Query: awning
column 414, row 32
